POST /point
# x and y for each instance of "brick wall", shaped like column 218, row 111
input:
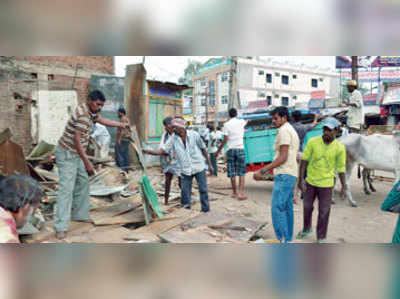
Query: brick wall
column 53, row 73
column 104, row 64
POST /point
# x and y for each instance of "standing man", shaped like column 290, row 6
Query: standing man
column 190, row 151
column 169, row 162
column 212, row 149
column 123, row 141
column 355, row 115
column 323, row 156
column 233, row 134
column 301, row 130
column 285, row 174
column 74, row 165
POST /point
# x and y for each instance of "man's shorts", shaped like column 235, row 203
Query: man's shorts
column 236, row 162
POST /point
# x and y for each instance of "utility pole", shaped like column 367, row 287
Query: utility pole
column 354, row 68
column 206, row 95
column 143, row 59
column 233, row 83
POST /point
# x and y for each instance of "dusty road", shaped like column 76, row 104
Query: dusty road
column 364, row 224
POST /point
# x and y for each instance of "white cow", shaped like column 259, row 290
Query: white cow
column 379, row 152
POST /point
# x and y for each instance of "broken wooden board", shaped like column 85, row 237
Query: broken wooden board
column 142, row 236
column 159, row 227
column 195, row 236
column 138, row 148
column 135, row 216
column 12, row 159
column 41, row 151
column 121, row 207
column 103, row 234
column 47, row 234
column 248, row 227
column 47, row 174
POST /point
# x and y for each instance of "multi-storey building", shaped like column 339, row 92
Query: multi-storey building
column 258, row 84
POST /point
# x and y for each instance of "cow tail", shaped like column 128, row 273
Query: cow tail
column 359, row 171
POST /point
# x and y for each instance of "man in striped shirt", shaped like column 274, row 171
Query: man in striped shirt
column 73, row 200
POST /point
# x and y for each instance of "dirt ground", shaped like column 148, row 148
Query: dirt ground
column 363, row 224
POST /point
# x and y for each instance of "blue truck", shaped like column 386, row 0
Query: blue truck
column 259, row 139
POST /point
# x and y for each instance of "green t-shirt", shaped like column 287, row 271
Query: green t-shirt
column 323, row 160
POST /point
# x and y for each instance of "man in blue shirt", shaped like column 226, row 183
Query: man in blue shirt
column 190, row 151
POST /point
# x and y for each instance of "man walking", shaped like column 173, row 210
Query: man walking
column 355, row 115
column 122, row 158
column 323, row 157
column 190, row 152
column 74, row 165
column 285, row 174
column 233, row 135
column 212, row 149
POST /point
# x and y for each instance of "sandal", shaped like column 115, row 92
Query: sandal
column 242, row 197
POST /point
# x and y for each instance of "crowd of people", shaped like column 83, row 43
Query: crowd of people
column 300, row 170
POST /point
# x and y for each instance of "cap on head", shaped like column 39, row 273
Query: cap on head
column 351, row 83
column 331, row 123
column 178, row 122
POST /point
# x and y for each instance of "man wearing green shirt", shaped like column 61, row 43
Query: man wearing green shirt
column 322, row 157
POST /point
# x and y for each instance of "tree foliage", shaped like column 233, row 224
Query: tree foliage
column 192, row 66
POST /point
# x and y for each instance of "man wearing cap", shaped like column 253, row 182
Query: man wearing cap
column 322, row 156
column 355, row 115
column 190, row 152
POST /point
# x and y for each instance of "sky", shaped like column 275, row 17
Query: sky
column 171, row 68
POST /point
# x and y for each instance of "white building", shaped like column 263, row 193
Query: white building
column 260, row 84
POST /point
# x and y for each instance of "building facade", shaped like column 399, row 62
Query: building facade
column 258, row 85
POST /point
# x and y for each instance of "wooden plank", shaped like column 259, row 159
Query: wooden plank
column 159, row 227
column 142, row 236
column 47, row 174
column 102, row 234
column 135, row 216
column 248, row 227
column 195, row 236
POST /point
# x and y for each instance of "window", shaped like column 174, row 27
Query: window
column 294, row 97
column 314, row 83
column 34, row 76
column 268, row 78
column 277, row 74
column 203, row 101
column 269, row 100
column 224, row 100
column 261, row 95
column 321, row 79
column 294, row 76
column 203, row 82
column 285, row 79
column 285, row 101
column 276, row 96
column 211, row 100
column 261, row 73
column 50, row 77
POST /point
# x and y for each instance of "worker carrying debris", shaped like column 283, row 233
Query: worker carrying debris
column 73, row 201
column 19, row 197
